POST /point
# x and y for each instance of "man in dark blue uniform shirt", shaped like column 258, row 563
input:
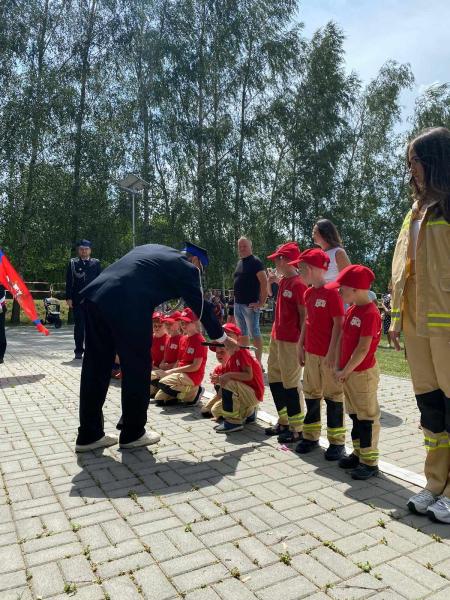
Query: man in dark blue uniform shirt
column 80, row 272
column 119, row 305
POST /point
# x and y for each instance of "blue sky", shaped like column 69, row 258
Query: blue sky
column 409, row 31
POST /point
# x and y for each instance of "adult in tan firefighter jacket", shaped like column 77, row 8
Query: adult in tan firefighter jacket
column 421, row 308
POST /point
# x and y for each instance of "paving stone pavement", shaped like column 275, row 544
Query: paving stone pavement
column 200, row 516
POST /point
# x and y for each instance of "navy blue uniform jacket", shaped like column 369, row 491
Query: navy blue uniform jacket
column 128, row 291
column 79, row 274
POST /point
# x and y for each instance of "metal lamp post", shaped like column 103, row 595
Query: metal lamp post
column 133, row 185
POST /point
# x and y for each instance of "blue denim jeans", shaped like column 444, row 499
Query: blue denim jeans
column 247, row 320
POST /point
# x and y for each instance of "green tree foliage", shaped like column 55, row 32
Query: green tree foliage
column 433, row 108
column 237, row 122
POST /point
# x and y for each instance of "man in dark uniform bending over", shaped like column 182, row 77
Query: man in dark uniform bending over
column 119, row 305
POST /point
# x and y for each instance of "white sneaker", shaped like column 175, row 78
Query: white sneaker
column 420, row 502
column 103, row 442
column 440, row 510
column 147, row 439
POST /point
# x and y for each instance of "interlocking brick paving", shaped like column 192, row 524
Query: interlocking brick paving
column 199, row 516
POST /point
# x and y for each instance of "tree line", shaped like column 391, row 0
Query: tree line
column 238, row 122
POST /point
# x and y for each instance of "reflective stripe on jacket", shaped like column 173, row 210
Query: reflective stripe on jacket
column 432, row 267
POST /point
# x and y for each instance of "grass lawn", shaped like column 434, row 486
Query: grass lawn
column 389, row 361
column 24, row 320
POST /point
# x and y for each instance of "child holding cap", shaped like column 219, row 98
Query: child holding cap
column 358, row 370
column 183, row 381
column 284, row 369
column 242, row 386
column 319, row 339
column 160, row 339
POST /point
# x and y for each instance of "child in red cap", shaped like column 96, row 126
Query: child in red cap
column 242, row 387
column 213, row 408
column 318, row 350
column 172, row 349
column 358, row 369
column 159, row 342
column 183, row 382
column 284, row 369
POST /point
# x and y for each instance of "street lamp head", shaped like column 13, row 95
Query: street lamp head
column 132, row 183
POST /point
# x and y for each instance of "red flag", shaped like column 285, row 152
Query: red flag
column 12, row 281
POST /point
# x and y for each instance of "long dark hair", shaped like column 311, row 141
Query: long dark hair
column 432, row 147
column 329, row 232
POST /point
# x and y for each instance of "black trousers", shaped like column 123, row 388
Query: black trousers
column 79, row 328
column 133, row 345
column 2, row 334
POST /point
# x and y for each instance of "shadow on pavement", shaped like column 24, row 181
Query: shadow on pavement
column 380, row 493
column 139, row 471
column 390, row 420
column 6, row 382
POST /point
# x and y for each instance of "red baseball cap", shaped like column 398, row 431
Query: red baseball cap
column 290, row 251
column 173, row 318
column 188, row 316
column 354, row 276
column 232, row 328
column 157, row 316
column 315, row 257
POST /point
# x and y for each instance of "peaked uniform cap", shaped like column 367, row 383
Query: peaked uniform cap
column 84, row 244
column 197, row 251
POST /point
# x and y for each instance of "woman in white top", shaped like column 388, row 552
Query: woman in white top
column 327, row 237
